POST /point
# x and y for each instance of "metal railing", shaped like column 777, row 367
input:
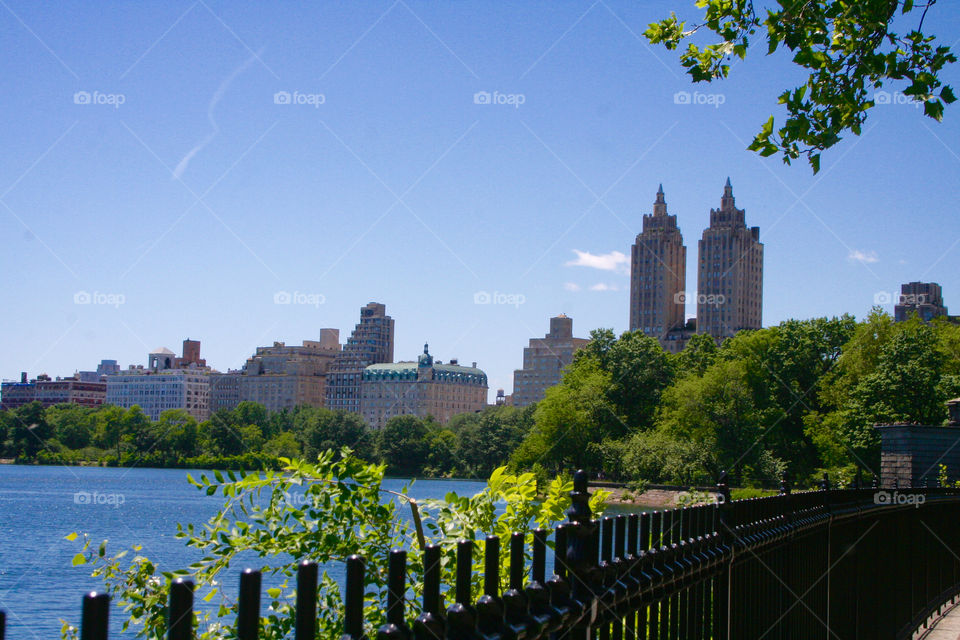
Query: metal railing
column 834, row 563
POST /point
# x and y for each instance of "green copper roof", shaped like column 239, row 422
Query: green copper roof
column 412, row 366
column 410, row 369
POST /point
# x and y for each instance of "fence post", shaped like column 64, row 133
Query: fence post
column 461, row 616
column 96, row 613
column 430, row 624
column 580, row 561
column 395, row 628
column 353, row 602
column 180, row 625
column 248, row 616
column 306, row 622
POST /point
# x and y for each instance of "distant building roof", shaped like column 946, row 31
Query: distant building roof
column 162, row 351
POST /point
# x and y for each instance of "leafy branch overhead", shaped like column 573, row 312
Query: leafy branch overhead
column 847, row 47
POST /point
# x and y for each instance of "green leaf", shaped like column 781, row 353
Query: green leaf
column 79, row 559
column 273, row 593
column 70, row 536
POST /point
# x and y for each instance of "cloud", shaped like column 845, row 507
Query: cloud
column 613, row 261
column 571, row 286
column 865, row 257
column 222, row 89
column 603, row 286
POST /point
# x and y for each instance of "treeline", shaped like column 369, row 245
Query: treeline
column 801, row 397
column 250, row 437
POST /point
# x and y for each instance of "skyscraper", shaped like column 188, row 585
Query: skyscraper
column 730, row 272
column 544, row 361
column 658, row 268
column 923, row 298
column 370, row 343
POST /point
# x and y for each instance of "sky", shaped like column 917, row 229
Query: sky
column 242, row 173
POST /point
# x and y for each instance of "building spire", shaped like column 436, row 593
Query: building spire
column 660, row 205
column 726, row 202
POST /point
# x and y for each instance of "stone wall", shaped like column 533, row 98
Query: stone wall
column 910, row 454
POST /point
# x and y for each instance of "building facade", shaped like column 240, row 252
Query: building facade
column 544, row 362
column 371, row 342
column 156, row 391
column 167, row 382
column 421, row 388
column 658, row 268
column 50, row 392
column 730, row 272
column 923, row 298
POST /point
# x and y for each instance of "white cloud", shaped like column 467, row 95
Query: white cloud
column 603, row 286
column 613, row 261
column 866, row 257
column 571, row 286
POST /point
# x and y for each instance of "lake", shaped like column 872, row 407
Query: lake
column 41, row 505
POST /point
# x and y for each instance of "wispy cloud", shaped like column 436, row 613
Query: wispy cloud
column 864, row 257
column 613, row 261
column 571, row 286
column 603, row 286
column 222, row 89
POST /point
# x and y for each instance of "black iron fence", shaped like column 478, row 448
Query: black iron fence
column 850, row 563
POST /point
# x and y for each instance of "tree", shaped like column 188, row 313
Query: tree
column 320, row 429
column 403, row 445
column 220, row 436
column 572, row 416
column 720, row 410
column 176, row 433
column 487, row 439
column 29, row 429
column 639, row 372
column 108, row 432
column 283, row 445
column 847, row 48
column 698, row 354
column 72, row 424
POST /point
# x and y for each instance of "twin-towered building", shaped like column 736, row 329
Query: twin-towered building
column 729, row 293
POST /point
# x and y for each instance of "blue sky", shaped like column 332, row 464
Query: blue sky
column 183, row 163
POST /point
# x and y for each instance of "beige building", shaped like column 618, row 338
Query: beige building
column 544, row 362
column 280, row 376
column 370, row 343
column 658, row 268
column 421, row 388
column 730, row 272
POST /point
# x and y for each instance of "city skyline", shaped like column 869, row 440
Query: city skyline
column 474, row 187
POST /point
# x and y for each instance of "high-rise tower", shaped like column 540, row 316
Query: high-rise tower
column 658, row 268
column 370, row 343
column 729, row 273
